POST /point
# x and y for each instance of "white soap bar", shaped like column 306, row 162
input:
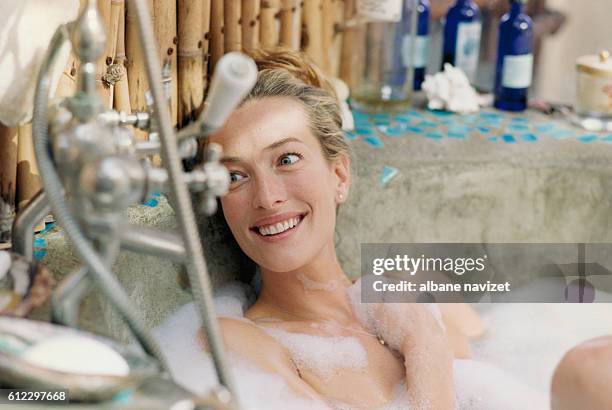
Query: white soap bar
column 77, row 354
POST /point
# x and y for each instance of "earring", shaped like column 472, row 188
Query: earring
column 340, row 196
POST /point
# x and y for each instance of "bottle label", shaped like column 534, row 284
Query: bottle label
column 467, row 49
column 380, row 10
column 517, row 71
column 421, row 51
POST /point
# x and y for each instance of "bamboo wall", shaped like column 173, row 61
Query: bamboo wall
column 192, row 35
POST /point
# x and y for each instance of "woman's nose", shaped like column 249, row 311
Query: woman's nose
column 270, row 191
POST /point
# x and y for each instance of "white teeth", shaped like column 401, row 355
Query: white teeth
column 279, row 227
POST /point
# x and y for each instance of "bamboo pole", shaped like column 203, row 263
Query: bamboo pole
column 106, row 59
column 232, row 27
column 250, row 24
column 336, row 46
column 8, row 175
column 353, row 39
column 290, row 24
column 136, row 72
column 216, row 33
column 205, row 41
column 312, row 17
column 164, row 24
column 190, row 79
column 327, row 35
column 122, row 92
column 67, row 84
column 268, row 32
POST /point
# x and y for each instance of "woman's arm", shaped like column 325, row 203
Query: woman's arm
column 413, row 330
column 259, row 349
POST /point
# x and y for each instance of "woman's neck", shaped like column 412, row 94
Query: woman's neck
column 316, row 291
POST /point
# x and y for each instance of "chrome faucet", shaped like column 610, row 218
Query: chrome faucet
column 92, row 168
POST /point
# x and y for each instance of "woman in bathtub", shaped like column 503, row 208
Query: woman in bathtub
column 290, row 171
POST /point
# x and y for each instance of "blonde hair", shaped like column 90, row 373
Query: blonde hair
column 284, row 72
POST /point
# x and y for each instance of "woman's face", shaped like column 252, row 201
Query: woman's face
column 281, row 206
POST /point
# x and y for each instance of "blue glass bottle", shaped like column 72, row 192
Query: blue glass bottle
column 462, row 31
column 421, row 44
column 403, row 43
column 514, row 58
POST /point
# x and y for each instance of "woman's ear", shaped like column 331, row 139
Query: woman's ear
column 342, row 171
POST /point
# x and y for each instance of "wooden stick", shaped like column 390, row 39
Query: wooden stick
column 268, row 32
column 8, row 174
column 327, row 35
column 67, row 85
column 287, row 31
column 336, row 47
column 216, row 33
column 312, row 18
column 352, row 43
column 232, row 27
column 135, row 65
column 190, row 79
column 122, row 91
column 205, row 42
column 106, row 59
column 164, row 24
column 250, row 24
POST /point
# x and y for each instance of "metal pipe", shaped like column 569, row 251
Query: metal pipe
column 26, row 221
column 152, row 242
column 68, row 295
column 53, row 188
column 196, row 265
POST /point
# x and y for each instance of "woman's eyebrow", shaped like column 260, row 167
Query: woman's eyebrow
column 275, row 144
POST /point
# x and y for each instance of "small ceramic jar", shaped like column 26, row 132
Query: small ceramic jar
column 594, row 86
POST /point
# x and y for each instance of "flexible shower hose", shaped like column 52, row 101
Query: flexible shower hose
column 103, row 277
column 196, row 265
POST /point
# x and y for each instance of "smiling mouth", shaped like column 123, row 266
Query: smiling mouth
column 273, row 230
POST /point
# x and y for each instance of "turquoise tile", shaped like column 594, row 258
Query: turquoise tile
column 392, row 131
column 416, row 130
column 351, row 136
column 529, row 137
column 508, row 139
column 545, row 127
column 457, row 135
column 434, row 136
column 518, row 127
column 388, row 173
column 364, row 130
column 587, row 138
column 439, row 113
column 374, row 141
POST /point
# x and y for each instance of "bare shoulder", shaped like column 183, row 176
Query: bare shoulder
column 245, row 338
column 251, row 343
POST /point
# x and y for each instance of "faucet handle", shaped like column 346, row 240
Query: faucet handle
column 217, row 178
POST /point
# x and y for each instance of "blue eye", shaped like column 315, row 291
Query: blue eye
column 235, row 177
column 290, row 158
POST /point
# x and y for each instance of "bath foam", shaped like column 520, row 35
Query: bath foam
column 366, row 315
column 512, row 366
column 193, row 368
column 322, row 355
